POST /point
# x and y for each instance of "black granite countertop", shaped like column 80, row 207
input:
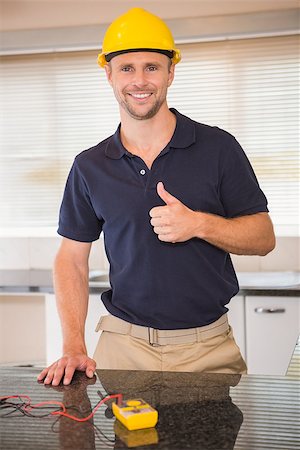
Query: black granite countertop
column 251, row 283
column 196, row 411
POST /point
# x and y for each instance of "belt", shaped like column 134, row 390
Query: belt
column 163, row 337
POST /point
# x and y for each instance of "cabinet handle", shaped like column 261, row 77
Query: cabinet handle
column 269, row 310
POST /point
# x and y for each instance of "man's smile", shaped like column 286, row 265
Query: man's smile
column 141, row 96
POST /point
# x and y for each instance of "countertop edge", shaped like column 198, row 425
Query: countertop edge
column 276, row 292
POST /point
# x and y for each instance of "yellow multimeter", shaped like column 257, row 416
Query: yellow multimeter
column 135, row 414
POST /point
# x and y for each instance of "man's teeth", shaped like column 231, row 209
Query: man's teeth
column 140, row 95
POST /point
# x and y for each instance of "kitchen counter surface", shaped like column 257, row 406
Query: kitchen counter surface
column 196, row 411
column 251, row 283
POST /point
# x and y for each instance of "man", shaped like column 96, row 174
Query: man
column 173, row 198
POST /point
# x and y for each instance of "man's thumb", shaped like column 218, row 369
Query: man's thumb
column 164, row 195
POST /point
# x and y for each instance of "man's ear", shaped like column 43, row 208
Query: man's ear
column 107, row 69
column 171, row 74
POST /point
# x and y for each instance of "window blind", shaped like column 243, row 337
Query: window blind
column 56, row 105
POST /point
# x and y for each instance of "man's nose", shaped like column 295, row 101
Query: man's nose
column 140, row 78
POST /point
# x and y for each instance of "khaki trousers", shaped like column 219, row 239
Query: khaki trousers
column 218, row 354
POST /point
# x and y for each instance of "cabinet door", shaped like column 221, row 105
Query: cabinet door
column 53, row 327
column 95, row 311
column 22, row 329
column 236, row 318
column 272, row 330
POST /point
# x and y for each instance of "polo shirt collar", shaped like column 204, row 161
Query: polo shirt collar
column 184, row 136
column 114, row 148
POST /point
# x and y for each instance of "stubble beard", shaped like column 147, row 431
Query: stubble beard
column 132, row 111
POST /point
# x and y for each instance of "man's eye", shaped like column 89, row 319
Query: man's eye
column 152, row 68
column 126, row 69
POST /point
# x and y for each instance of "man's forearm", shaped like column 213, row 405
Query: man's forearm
column 71, row 289
column 245, row 235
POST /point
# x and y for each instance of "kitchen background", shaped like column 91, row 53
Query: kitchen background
column 239, row 72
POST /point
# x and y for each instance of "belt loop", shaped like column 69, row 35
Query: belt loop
column 99, row 324
column 198, row 335
column 152, row 336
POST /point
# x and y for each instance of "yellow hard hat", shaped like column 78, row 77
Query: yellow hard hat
column 138, row 30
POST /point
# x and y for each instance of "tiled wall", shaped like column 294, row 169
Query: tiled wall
column 285, row 256
column 39, row 253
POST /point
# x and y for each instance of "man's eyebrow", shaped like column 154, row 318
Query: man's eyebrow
column 124, row 64
column 154, row 63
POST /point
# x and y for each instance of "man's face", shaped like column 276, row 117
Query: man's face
column 140, row 81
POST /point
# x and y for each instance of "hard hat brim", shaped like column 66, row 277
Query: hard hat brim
column 174, row 55
column 168, row 53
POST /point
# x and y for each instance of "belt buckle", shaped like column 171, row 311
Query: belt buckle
column 153, row 337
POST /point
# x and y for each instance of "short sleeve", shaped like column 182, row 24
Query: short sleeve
column 77, row 218
column 239, row 188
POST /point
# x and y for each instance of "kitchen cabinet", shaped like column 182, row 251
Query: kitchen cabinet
column 22, row 330
column 272, row 330
column 53, row 328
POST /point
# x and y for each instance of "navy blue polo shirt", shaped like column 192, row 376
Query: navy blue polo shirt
column 153, row 283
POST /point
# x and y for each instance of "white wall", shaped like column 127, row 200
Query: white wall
column 26, row 14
